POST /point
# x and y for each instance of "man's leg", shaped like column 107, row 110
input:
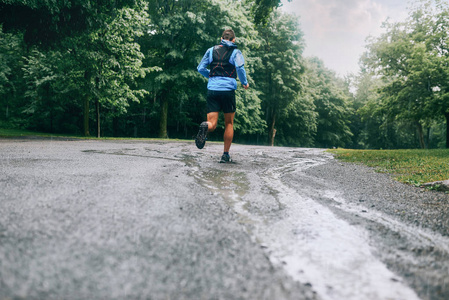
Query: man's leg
column 205, row 127
column 229, row 131
column 212, row 119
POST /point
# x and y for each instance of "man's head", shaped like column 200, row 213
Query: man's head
column 229, row 35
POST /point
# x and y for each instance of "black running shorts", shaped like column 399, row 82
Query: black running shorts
column 221, row 101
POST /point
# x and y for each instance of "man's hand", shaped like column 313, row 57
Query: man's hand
column 246, row 86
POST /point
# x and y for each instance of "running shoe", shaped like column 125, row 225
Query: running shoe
column 201, row 137
column 225, row 158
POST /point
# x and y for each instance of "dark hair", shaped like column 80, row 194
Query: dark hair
column 228, row 34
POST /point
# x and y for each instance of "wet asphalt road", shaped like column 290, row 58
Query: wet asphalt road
column 164, row 220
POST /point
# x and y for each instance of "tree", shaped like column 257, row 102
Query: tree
column 96, row 41
column 332, row 105
column 173, row 43
column 180, row 34
column 414, row 55
column 42, row 72
column 249, row 117
column 368, row 114
column 47, row 23
column 377, row 127
column 110, row 73
column 262, row 9
column 280, row 70
column 11, row 52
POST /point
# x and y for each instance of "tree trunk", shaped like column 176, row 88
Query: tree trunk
column 427, row 141
column 272, row 132
column 51, row 120
column 115, row 125
column 164, row 117
column 446, row 115
column 420, row 135
column 7, row 104
column 86, row 116
column 47, row 90
column 97, row 107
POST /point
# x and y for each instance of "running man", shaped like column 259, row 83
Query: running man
column 226, row 63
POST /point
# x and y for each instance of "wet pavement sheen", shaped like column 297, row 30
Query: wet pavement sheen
column 164, row 220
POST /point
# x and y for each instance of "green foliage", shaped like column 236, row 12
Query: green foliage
column 377, row 126
column 262, row 10
column 177, row 35
column 248, row 119
column 279, row 74
column 48, row 22
column 408, row 166
column 137, row 60
column 332, row 105
column 11, row 52
column 114, row 69
column 412, row 60
column 46, row 88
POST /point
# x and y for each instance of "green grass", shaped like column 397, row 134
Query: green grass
column 409, row 166
column 21, row 133
column 14, row 133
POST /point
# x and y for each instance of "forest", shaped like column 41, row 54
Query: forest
column 127, row 68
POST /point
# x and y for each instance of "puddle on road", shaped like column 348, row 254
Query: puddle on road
column 146, row 153
column 231, row 186
column 313, row 245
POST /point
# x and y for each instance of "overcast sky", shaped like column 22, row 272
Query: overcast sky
column 335, row 30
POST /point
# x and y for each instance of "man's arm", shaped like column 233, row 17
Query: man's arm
column 202, row 67
column 239, row 63
column 242, row 76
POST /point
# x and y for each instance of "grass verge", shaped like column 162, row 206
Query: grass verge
column 17, row 133
column 409, row 166
column 22, row 133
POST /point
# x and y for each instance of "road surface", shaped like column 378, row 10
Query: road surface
column 138, row 219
